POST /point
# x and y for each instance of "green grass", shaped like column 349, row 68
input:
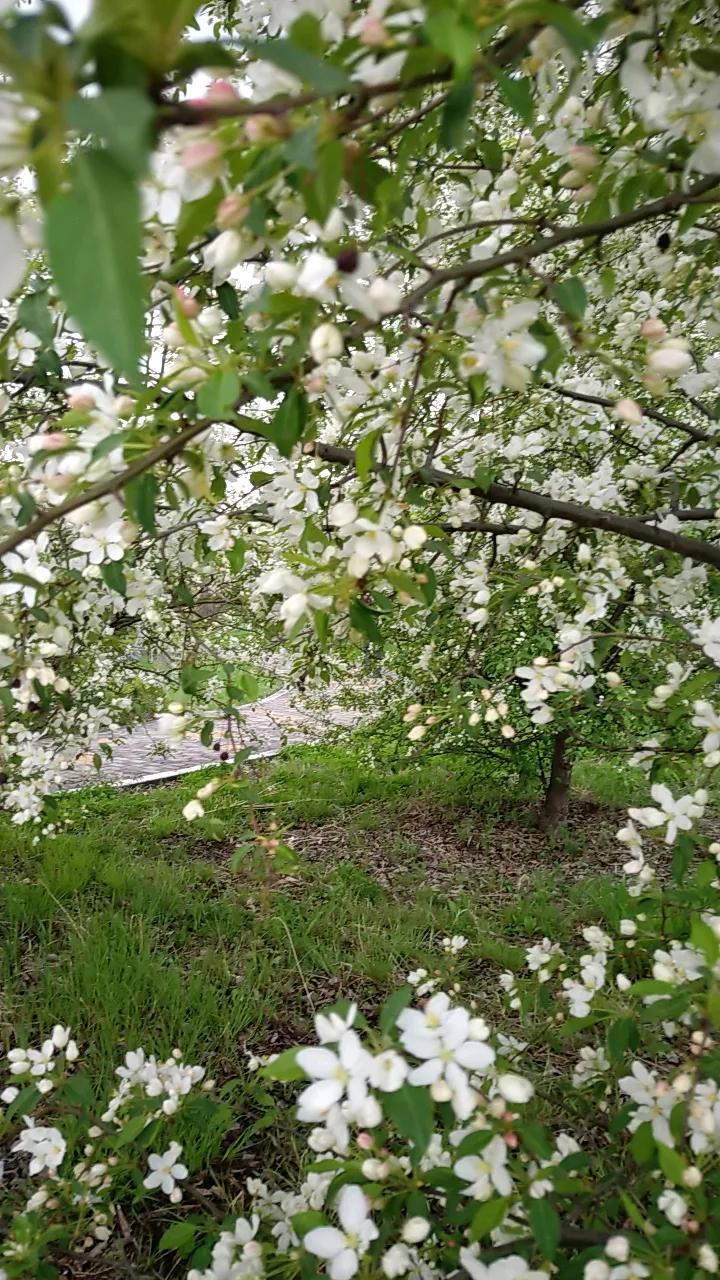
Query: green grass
column 131, row 926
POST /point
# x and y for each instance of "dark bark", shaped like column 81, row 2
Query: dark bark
column 557, row 793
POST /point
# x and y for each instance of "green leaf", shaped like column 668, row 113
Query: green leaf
column 455, row 36
column 122, row 119
column 456, row 113
column 707, row 59
column 307, row 1221
column 219, row 393
column 488, row 1217
column 473, row 1142
column 318, row 73
column 27, row 507
column 632, row 191
column 228, row 299
column 288, row 424
column 642, row 1144
column 284, row 1067
column 682, row 855
column 517, row 92
column 131, row 1130
column 671, row 1163
column 393, row 1007
column 93, row 240
column 545, row 1226
column 702, row 937
column 536, row 1139
column 179, row 1236
column 140, row 498
column 113, row 576
column 410, row 1110
column 77, row 1091
column 363, row 620
column 571, row 297
column 321, row 187
column 34, row 314
column 364, row 453
column 622, row 1034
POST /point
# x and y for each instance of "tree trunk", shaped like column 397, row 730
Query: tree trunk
column 557, row 794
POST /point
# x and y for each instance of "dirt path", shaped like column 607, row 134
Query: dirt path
column 270, row 724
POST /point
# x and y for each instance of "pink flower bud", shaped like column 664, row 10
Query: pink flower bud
column 585, row 193
column 186, row 302
column 511, row 1140
column 48, row 440
column 373, row 31
column 365, row 1141
column 653, row 329
column 265, row 128
column 629, row 411
column 124, row 406
column 231, row 212
column 201, row 156
column 81, row 401
column 584, row 158
column 221, row 91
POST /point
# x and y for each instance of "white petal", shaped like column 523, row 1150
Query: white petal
column 344, row 1266
column 324, row 1242
column 427, row 1072
column 475, row 1055
column 352, row 1207
column 315, row 1101
column 318, row 1063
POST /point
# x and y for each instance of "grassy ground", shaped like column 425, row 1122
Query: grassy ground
column 136, row 927
column 132, row 926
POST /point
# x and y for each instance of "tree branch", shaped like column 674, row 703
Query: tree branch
column 112, row 484
column 663, row 418
column 552, row 509
column 471, row 269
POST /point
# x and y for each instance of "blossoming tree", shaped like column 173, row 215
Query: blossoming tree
column 401, row 332
column 391, row 329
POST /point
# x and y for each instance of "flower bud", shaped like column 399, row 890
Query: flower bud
column 232, row 211
column 265, row 128
column 373, row 31
column 81, row 401
column 618, row 1248
column 628, row 411
column 584, row 158
column 598, row 1269
column 415, row 1230
column 280, row 275
column 692, row 1176
column 515, row 1088
column 653, row 329
column 201, row 156
column 670, row 360
column 48, row 440
column 572, row 180
column 221, row 91
column 326, row 342
column 440, row 1089
column 124, row 406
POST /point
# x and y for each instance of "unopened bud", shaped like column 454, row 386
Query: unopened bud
column 265, row 128
column 186, row 302
column 231, row 212
column 653, row 329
